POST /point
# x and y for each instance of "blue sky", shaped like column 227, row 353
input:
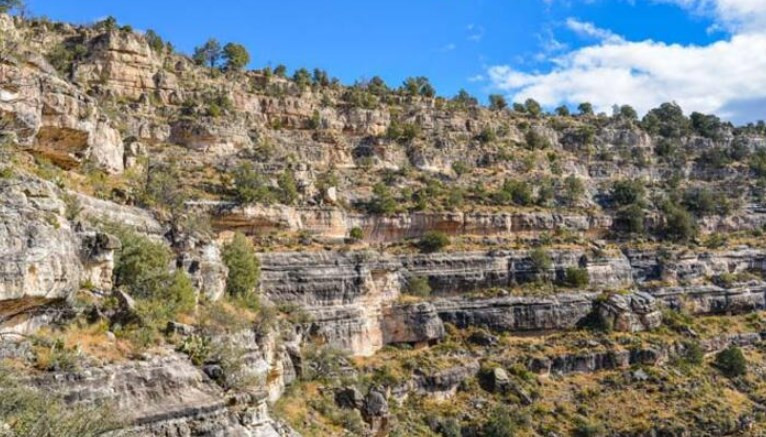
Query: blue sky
column 521, row 48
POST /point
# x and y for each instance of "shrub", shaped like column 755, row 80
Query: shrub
column 585, row 108
column 758, row 162
column 154, row 40
column 460, row 168
column 703, row 202
column 517, row 192
column 487, row 135
column 627, row 192
column 562, row 111
column 499, row 424
column 302, row 78
column 533, row 108
column 434, row 241
column 574, row 189
column 288, row 189
column 64, row 55
column 244, row 267
column 541, row 260
column 28, row 412
column 383, row 201
column 731, row 362
column 250, row 186
column 356, row 233
column 679, row 224
column 418, row 86
column 668, row 120
column 708, row 126
column 576, row 277
column 536, row 141
column 627, row 112
column 497, row 102
column 141, row 264
column 693, row 353
column 714, row 158
column 419, row 286
column 630, row 219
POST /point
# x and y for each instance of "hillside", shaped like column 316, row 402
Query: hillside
column 213, row 251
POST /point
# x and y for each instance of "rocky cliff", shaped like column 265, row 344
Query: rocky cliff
column 204, row 249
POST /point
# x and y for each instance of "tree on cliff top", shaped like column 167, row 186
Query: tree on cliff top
column 208, row 54
column 9, row 5
column 236, row 56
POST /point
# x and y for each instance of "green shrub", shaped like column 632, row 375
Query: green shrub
column 356, row 233
column 499, row 424
column 541, row 260
column 497, row 102
column 731, row 362
column 679, row 224
column 63, row 56
column 288, row 188
column 630, row 219
column 668, row 120
column 516, row 192
column 141, row 265
column 536, row 141
column 434, row 241
column 244, row 267
column 576, row 277
column 704, row 202
column 487, row 135
column 28, row 412
column 627, row 192
column 418, row 286
column 154, row 40
column 250, row 186
column 383, row 201
column 693, row 353
column 573, row 191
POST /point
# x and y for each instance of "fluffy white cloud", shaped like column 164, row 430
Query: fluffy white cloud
column 727, row 77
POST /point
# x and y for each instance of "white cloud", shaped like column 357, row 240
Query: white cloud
column 590, row 30
column 727, row 77
column 477, row 78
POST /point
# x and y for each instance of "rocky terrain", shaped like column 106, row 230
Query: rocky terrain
column 193, row 251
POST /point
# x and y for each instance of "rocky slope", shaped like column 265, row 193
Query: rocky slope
column 414, row 253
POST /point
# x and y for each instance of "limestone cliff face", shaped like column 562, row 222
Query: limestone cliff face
column 353, row 310
column 52, row 117
column 336, row 224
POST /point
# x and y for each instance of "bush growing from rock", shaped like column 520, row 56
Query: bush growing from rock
column 499, row 424
column 679, row 224
column 576, row 277
column 244, row 267
column 497, row 102
column 731, row 362
column 541, row 260
column 627, row 192
column 533, row 108
column 418, row 286
column 434, row 241
column 383, row 201
column 356, row 233
column 250, row 186
column 585, row 108
column 288, row 188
